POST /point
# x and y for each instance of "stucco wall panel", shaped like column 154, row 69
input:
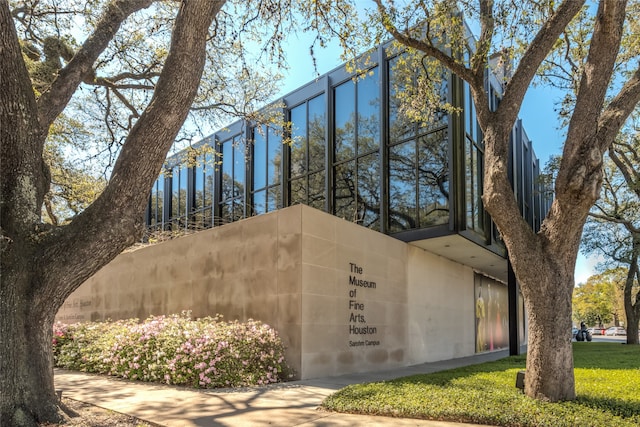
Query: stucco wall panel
column 319, row 280
column 318, row 251
column 442, row 322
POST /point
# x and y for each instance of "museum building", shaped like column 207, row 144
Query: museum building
column 362, row 239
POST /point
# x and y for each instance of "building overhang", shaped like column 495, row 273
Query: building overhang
column 464, row 251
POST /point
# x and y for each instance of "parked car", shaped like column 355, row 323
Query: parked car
column 596, row 331
column 615, row 331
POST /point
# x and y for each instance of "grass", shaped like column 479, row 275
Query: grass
column 607, row 387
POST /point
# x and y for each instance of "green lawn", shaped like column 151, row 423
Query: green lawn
column 607, row 386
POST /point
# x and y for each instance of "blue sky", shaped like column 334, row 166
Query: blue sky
column 537, row 112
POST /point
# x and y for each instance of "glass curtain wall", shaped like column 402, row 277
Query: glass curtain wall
column 418, row 159
column 383, row 167
column 357, row 177
column 267, row 164
column 307, row 153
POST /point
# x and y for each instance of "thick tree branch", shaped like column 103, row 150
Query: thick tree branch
column 530, row 62
column 580, row 175
column 23, row 173
column 479, row 61
column 612, row 219
column 53, row 101
column 618, row 110
column 113, row 81
column 631, row 176
column 456, row 67
column 594, row 82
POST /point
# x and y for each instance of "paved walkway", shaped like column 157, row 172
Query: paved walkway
column 288, row 404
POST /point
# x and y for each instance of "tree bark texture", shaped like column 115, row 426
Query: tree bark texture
column 631, row 307
column 42, row 265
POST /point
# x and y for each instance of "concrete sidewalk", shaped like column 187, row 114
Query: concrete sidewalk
column 287, row 404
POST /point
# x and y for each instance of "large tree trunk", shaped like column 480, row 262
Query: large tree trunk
column 549, row 373
column 544, row 264
column 632, row 310
column 25, row 347
column 632, row 326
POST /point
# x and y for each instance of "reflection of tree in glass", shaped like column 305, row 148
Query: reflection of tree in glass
column 357, row 141
column 317, row 143
column 357, row 182
column 419, row 170
column 203, row 203
column 156, row 204
column 233, row 179
column 368, row 196
column 433, row 178
column 418, row 96
column 345, row 191
column 204, row 167
column 402, row 187
column 419, row 182
column 299, row 140
column 308, row 149
column 267, row 160
column 232, row 205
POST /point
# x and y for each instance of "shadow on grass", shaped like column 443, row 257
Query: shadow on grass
column 618, row 407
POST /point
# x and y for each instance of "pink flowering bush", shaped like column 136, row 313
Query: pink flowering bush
column 203, row 353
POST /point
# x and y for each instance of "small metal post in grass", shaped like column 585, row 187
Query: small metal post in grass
column 520, row 380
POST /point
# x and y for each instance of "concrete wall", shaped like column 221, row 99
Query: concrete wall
column 354, row 297
column 342, row 297
column 441, row 314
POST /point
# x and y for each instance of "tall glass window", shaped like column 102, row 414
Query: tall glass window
column 356, row 150
column 233, row 180
column 409, row 112
column 308, row 152
column 179, row 197
column 204, row 187
column 433, row 178
column 402, row 187
column 474, row 156
column 267, row 161
column 418, row 157
column 156, row 204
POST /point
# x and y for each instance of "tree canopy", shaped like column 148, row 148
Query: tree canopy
column 599, row 301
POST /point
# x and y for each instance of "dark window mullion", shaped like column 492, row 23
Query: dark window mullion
column 416, row 171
